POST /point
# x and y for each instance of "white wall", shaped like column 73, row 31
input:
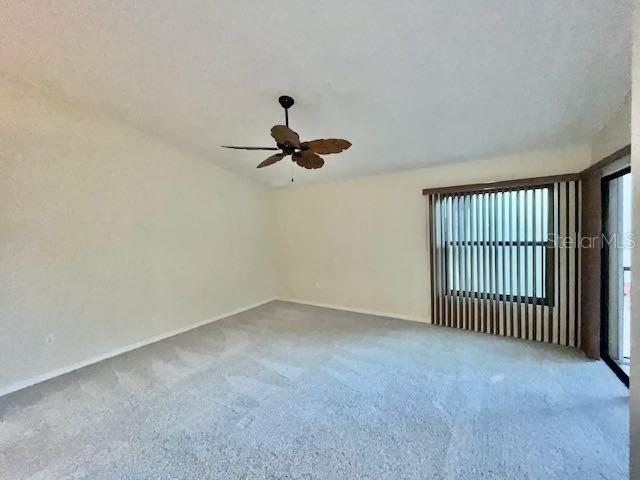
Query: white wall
column 109, row 237
column 635, row 260
column 615, row 135
column 362, row 244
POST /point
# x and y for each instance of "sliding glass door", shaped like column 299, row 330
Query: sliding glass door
column 616, row 272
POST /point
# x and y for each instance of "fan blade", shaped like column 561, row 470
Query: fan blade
column 283, row 135
column 250, row 148
column 308, row 159
column 272, row 159
column 326, row 146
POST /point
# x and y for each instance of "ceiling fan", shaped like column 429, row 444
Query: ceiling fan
column 304, row 154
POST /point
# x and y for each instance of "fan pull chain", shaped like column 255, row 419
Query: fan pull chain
column 291, row 172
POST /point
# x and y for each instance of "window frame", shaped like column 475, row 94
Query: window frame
column 549, row 264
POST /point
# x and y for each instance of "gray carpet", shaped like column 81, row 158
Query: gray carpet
column 286, row 391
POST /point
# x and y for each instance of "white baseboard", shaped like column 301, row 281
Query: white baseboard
column 14, row 387
column 411, row 318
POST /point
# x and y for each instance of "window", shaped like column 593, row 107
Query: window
column 505, row 258
column 497, row 243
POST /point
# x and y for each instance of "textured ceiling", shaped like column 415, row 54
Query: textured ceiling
column 409, row 83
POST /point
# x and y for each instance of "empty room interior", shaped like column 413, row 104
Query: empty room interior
column 319, row 240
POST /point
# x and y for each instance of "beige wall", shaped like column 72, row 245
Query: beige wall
column 615, row 135
column 109, row 237
column 635, row 261
column 362, row 244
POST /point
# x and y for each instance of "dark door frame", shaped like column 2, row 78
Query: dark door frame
column 604, row 279
column 590, row 258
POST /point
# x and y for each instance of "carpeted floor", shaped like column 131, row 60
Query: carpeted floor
column 286, row 391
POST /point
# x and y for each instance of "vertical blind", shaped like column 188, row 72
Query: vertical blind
column 506, row 261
